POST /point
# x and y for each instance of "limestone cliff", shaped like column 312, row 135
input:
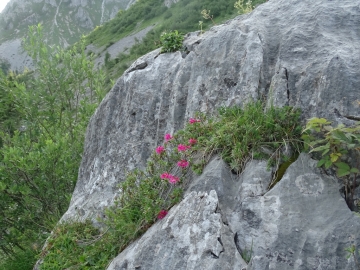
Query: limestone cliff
column 286, row 52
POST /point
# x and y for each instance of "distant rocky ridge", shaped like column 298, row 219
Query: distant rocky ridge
column 64, row 22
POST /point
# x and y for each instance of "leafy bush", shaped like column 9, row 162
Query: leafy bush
column 46, row 114
column 171, row 41
column 338, row 148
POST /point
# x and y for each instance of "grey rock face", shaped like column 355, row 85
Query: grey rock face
column 302, row 223
column 14, row 54
column 191, row 236
column 121, row 46
column 305, row 51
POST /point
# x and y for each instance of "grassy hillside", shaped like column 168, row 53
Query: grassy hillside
column 183, row 16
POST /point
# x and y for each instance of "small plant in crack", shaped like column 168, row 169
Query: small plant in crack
column 352, row 253
column 337, row 148
column 247, row 254
column 171, row 41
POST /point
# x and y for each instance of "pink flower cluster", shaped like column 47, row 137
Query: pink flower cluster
column 171, row 178
column 162, row 214
column 193, row 120
column 160, row 149
column 168, row 137
column 192, row 141
column 183, row 163
column 182, row 147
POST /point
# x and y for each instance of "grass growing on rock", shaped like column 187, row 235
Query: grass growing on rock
column 237, row 134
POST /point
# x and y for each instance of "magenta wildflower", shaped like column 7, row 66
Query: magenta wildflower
column 160, row 149
column 173, row 179
column 193, row 120
column 168, row 137
column 183, row 163
column 162, row 214
column 192, row 141
column 165, row 175
column 182, row 147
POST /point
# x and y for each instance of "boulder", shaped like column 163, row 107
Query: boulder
column 191, row 236
column 302, row 223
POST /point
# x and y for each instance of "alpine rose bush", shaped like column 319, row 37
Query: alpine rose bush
column 192, row 141
column 168, row 137
column 183, row 164
column 182, row 148
column 193, row 120
column 162, row 214
column 160, row 149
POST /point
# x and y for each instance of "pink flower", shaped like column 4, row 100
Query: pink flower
column 160, row 149
column 193, row 120
column 182, row 147
column 192, row 141
column 183, row 163
column 162, row 214
column 168, row 137
column 165, row 175
column 173, row 179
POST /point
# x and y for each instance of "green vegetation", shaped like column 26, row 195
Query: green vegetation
column 171, row 42
column 338, row 148
column 43, row 117
column 352, row 253
column 243, row 7
column 183, row 16
column 237, row 134
column 4, row 66
column 247, row 254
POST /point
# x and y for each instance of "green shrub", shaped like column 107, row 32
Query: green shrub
column 171, row 41
column 337, row 148
column 24, row 260
column 44, row 118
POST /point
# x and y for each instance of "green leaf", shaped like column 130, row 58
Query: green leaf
column 354, row 170
column 328, row 164
column 342, row 172
column 321, row 162
column 320, row 148
column 2, row 186
column 338, row 134
column 334, row 157
column 342, row 165
column 325, row 152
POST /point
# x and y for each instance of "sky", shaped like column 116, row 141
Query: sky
column 3, row 4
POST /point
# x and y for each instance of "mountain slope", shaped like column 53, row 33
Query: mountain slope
column 64, row 20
